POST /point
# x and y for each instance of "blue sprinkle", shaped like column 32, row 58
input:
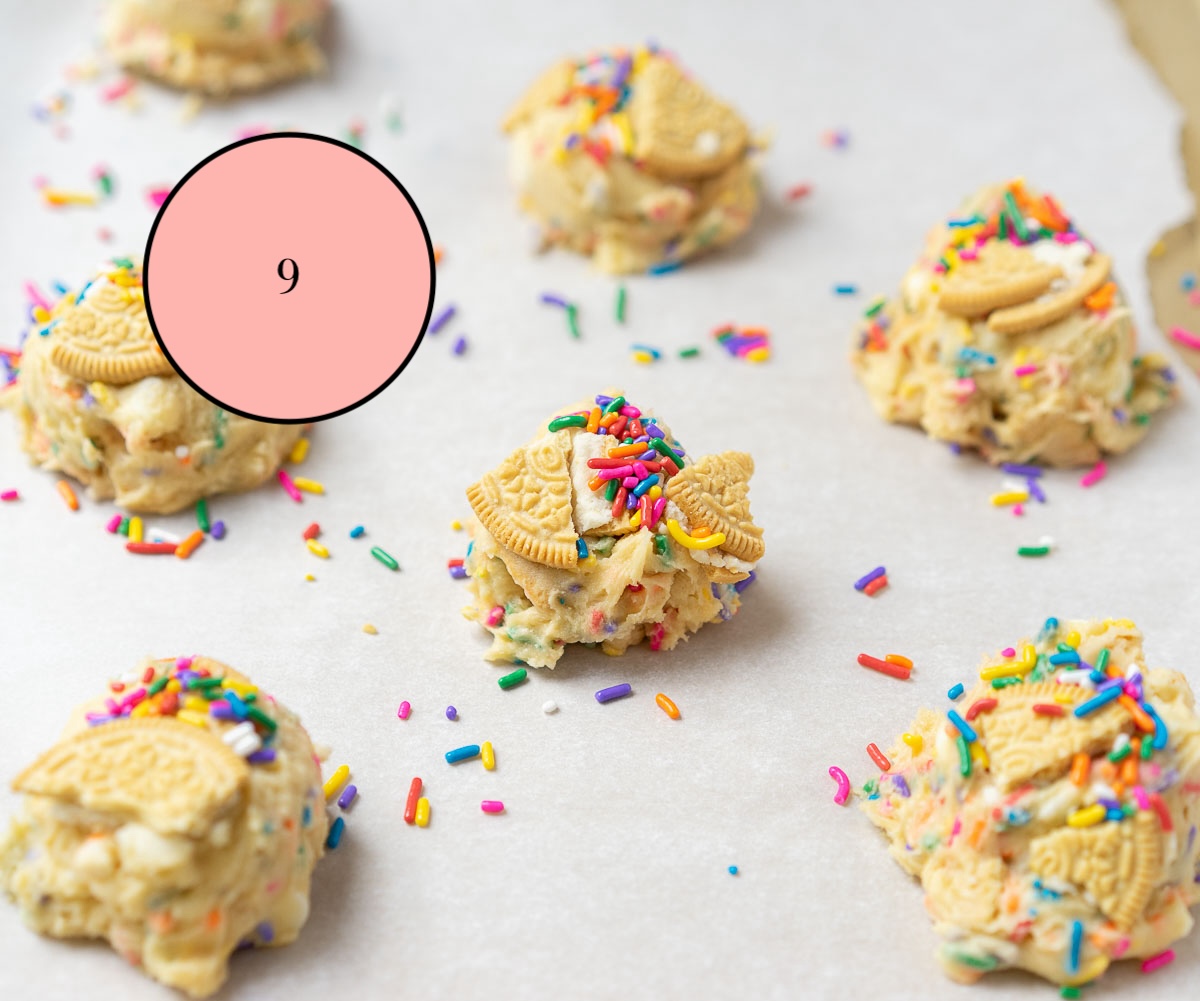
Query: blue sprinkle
column 357, row 531
column 964, row 727
column 1076, row 945
column 733, row 870
column 1098, row 700
column 845, row 289
column 1070, row 657
column 462, row 753
column 581, row 549
column 335, row 834
column 955, row 693
column 1187, row 282
column 665, row 268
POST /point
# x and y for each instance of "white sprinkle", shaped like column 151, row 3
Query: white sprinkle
column 549, row 706
column 708, row 143
column 158, row 535
column 181, row 451
column 1046, row 540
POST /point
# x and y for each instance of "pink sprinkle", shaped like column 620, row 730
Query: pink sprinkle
column 660, row 505
column 1140, row 797
column 113, row 524
column 964, row 388
column 1186, row 338
column 285, row 481
column 1018, row 510
column 1194, row 297
column 156, row 196
column 104, row 233
column 117, row 90
column 630, row 411
column 496, row 615
column 1066, row 237
column 10, row 495
column 494, row 806
column 184, row 663
column 36, row 297
column 404, row 711
column 1025, row 370
column 1158, row 962
column 939, row 268
column 1008, row 652
column 1094, row 475
column 969, row 254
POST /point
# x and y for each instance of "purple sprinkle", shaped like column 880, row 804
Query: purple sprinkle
column 1035, row 490
column 630, row 502
column 442, row 319
column 266, row 933
column 1016, row 469
column 955, row 448
column 640, row 440
column 458, row 573
column 220, row 709
column 263, row 756
column 601, row 430
column 572, row 140
column 622, row 73
column 648, row 456
column 347, row 796
column 550, row 299
column 615, row 692
column 451, row 713
column 741, row 585
column 653, row 430
column 218, row 530
column 901, row 786
column 1109, row 804
column 603, row 401
column 863, row 581
column 1168, row 374
column 460, row 345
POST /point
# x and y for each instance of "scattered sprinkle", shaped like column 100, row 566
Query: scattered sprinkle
column 1157, row 962
column 384, row 558
column 444, row 317
column 335, row 833
column 347, row 797
column 299, row 452
column 888, row 667
column 843, row 783
column 845, row 289
column 285, row 481
column 410, row 805
column 405, row 710
column 1094, row 475
column 312, row 531
column 751, row 344
column 666, row 705
column 464, row 753
column 866, row 579
column 67, row 493
column 218, row 530
column 370, row 630
column 460, row 345
column 614, row 692
column 487, row 754
column 451, row 713
column 335, row 781
column 492, row 806
column 549, row 706
column 955, row 693
column 1186, row 338
column 732, row 870
column 619, row 309
column 798, row 191
column 357, row 531
column 317, row 549
column 879, row 758
column 513, row 679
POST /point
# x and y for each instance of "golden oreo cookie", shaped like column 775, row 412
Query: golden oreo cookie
column 714, row 493
column 1051, row 309
column 1001, row 275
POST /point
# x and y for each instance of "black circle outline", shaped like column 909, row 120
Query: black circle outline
column 333, row 142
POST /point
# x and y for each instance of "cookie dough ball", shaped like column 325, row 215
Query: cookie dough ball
column 217, row 47
column 602, row 530
column 97, row 400
column 1050, row 814
column 623, row 157
column 179, row 817
column 1011, row 336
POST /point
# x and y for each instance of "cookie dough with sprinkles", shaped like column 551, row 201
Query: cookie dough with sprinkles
column 179, row 817
column 1051, row 813
column 1011, row 336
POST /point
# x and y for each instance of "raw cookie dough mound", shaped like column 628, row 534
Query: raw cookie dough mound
column 603, row 531
column 1011, row 336
column 179, row 817
column 217, row 47
column 1051, row 813
column 97, row 400
column 625, row 158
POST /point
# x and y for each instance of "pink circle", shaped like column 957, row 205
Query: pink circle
column 271, row 206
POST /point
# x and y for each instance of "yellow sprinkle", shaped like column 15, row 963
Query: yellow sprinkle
column 1010, row 670
column 456, row 525
column 640, row 56
column 1088, row 816
column 56, row 196
column 655, row 492
column 643, row 357
column 196, row 703
column 174, row 686
column 336, row 781
column 1009, row 497
column 309, row 576
column 1158, row 249
column 1028, row 656
column 101, row 394
column 299, row 451
column 636, row 520
column 370, row 630
column 559, row 156
column 1065, row 694
column 195, row 718
column 141, row 709
column 422, row 817
column 757, row 354
column 240, row 688
column 915, row 742
column 1072, row 640
column 978, row 755
column 621, row 120
column 135, row 529
column 40, row 314
column 317, row 549
column 309, row 486
column 488, row 756
column 688, row 542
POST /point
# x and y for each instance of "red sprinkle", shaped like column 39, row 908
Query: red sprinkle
column 147, row 676
column 981, row 706
column 1046, row 709
column 798, row 191
column 878, row 584
column 1164, row 815
column 884, row 667
column 454, row 563
column 410, row 805
column 312, row 531
column 151, row 548
column 879, row 758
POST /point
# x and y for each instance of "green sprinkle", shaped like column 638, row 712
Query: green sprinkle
column 1121, row 755
column 610, row 492
column 621, row 304
column 1014, row 213
column 260, row 717
column 614, row 405
column 1147, row 749
column 1002, row 229
column 105, row 184
column 570, row 421
column 875, row 307
column 1070, row 992
column 660, row 446
column 870, row 787
column 202, row 515
column 1142, row 419
column 212, row 694
column 514, row 679
column 573, row 319
column 123, row 529
column 1102, row 659
column 203, row 683
column 1065, row 648
column 384, row 558
column 158, row 685
column 964, row 757
column 123, row 262
column 1034, row 551
column 689, row 352
column 660, row 545
column 1005, row 682
column 975, row 962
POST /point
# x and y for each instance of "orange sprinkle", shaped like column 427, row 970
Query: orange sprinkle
column 1081, row 764
column 622, row 451
column 667, row 706
column 895, row 658
column 160, row 921
column 973, row 840
column 68, row 494
column 1102, row 298
column 608, row 420
column 593, row 420
column 189, row 545
column 212, row 920
column 1108, row 771
column 595, row 483
column 1140, row 716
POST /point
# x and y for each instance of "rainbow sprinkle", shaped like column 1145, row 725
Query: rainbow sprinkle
column 751, row 344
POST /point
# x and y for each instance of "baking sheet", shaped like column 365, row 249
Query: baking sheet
column 607, row 876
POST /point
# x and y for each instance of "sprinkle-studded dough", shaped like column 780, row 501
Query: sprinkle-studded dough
column 1047, row 819
column 1022, row 348
column 623, row 157
column 97, row 400
column 154, row 830
column 536, row 508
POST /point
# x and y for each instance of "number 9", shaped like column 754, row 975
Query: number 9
column 293, row 277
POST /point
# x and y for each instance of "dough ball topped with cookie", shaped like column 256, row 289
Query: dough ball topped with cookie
column 1050, row 812
column 1011, row 336
column 624, row 157
column 217, row 47
column 97, row 400
column 602, row 530
column 179, row 817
